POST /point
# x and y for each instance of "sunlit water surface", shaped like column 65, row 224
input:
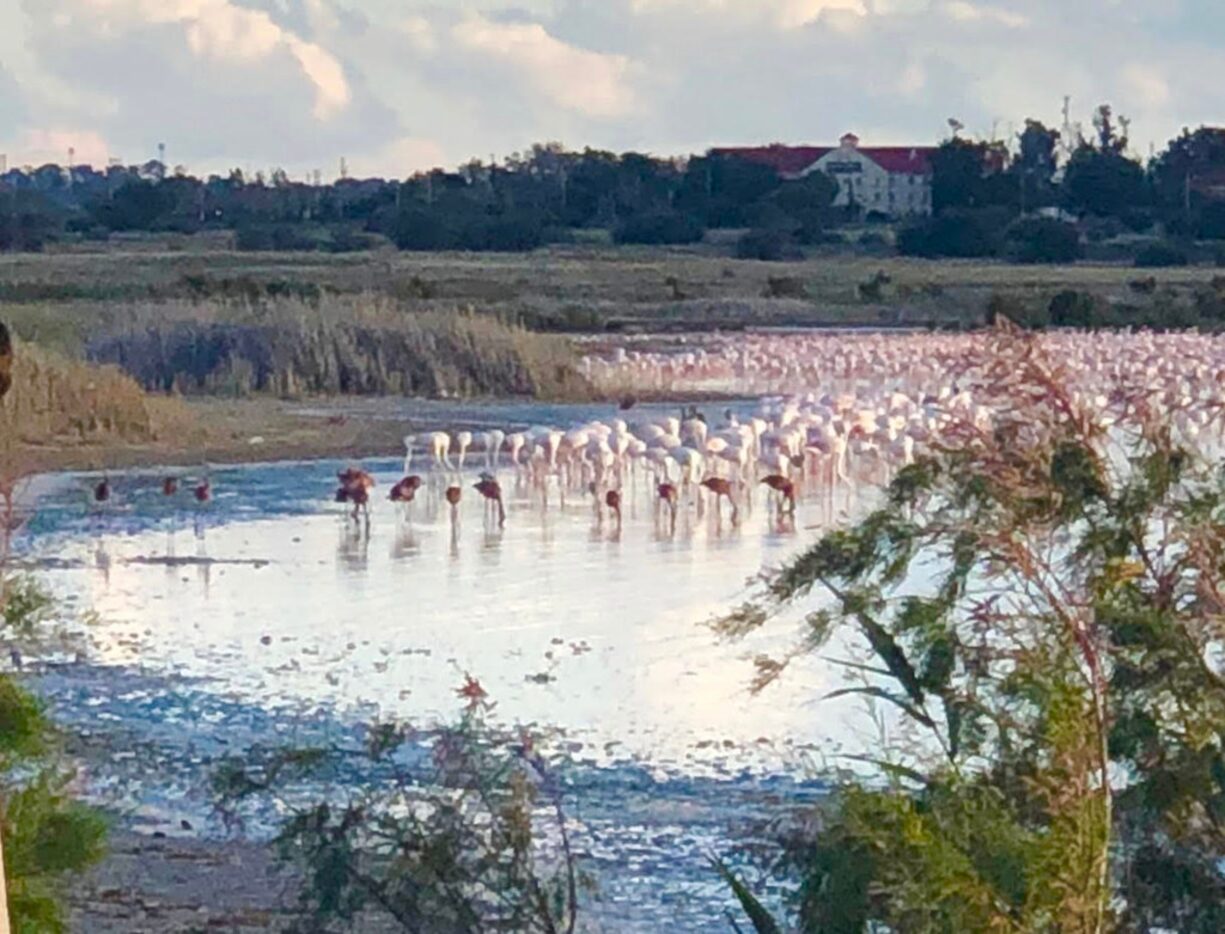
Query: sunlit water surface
column 269, row 599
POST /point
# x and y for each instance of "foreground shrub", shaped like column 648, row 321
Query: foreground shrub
column 1038, row 614
column 468, row 836
column 45, row 834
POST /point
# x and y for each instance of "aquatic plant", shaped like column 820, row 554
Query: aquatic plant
column 458, row 830
column 1038, row 612
column 364, row 346
column 54, row 399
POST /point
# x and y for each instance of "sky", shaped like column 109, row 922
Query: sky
column 397, row 86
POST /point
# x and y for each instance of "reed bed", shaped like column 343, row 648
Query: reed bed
column 337, row 345
column 55, row 401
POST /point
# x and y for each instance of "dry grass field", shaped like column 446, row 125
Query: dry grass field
column 571, row 288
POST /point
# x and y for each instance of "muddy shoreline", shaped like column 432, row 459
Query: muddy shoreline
column 263, row 430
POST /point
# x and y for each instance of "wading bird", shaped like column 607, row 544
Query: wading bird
column 492, row 491
column 669, row 496
column 405, row 491
column 454, row 494
column 355, row 487
column 612, row 499
column 786, row 490
column 721, row 488
column 170, row 486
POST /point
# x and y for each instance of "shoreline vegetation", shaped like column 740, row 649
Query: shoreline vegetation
column 222, row 352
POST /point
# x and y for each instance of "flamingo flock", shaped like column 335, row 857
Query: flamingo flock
column 834, row 413
column 763, row 363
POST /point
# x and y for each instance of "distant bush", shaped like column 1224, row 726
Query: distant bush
column 1212, row 221
column 659, row 227
column 874, row 242
column 822, row 238
column 1002, row 305
column 967, row 234
column 770, row 245
column 1076, row 309
column 342, row 239
column 1042, row 240
column 873, row 290
column 786, row 287
column 25, row 232
column 422, row 230
column 289, row 238
column 501, row 235
column 1160, row 255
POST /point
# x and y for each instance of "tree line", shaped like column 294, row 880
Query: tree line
column 1014, row 199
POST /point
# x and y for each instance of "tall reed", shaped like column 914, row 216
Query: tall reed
column 338, row 345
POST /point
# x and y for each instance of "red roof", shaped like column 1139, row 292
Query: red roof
column 785, row 160
column 792, row 160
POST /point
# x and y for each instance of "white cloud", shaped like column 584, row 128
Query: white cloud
column 40, row 146
column 1146, row 84
column 402, row 157
column 590, row 83
column 223, row 30
column 965, row 12
column 395, row 85
column 787, row 14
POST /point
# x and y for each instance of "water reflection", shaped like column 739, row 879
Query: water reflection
column 412, row 591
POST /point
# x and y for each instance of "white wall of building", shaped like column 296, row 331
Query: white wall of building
column 861, row 179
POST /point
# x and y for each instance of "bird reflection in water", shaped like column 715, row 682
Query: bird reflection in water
column 353, row 549
column 406, row 543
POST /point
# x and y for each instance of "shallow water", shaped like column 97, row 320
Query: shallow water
column 275, row 602
column 272, row 593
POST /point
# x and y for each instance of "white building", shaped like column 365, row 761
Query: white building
column 893, row 181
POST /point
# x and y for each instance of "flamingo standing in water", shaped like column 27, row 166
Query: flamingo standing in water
column 454, row 494
column 785, row 488
column 721, row 488
column 170, row 486
column 355, row 486
column 612, row 499
column 492, row 491
column 405, row 491
column 669, row 496
column 463, row 441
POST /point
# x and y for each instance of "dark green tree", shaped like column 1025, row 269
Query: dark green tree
column 1035, row 165
column 962, row 171
column 1103, row 182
